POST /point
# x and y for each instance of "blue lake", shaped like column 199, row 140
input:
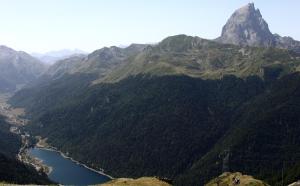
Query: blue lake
column 66, row 171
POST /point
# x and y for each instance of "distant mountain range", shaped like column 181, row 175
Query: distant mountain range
column 53, row 56
column 186, row 108
column 18, row 68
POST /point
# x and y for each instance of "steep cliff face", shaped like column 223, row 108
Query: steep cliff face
column 246, row 26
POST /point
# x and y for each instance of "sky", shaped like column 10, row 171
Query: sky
column 46, row 25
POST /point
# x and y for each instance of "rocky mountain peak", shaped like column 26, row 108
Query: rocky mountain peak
column 246, row 26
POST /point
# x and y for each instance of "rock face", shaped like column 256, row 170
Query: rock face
column 246, row 26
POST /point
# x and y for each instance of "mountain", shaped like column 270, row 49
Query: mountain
column 104, row 60
column 246, row 26
column 11, row 169
column 197, row 57
column 158, row 121
column 100, row 62
column 187, row 108
column 53, row 56
column 17, row 69
column 64, row 66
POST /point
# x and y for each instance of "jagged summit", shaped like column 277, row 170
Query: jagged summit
column 246, row 26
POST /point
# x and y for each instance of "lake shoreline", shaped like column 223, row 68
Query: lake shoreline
column 51, row 148
column 23, row 155
column 37, row 163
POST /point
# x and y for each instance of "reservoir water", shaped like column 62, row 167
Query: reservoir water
column 65, row 171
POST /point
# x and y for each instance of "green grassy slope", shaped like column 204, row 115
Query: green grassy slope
column 196, row 57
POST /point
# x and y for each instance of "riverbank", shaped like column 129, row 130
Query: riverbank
column 42, row 144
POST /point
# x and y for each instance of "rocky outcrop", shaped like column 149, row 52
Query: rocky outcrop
column 247, row 27
column 231, row 179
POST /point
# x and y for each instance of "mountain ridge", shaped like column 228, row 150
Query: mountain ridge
column 53, row 56
column 17, row 69
column 197, row 57
column 100, row 62
column 246, row 27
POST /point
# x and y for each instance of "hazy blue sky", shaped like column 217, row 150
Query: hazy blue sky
column 43, row 25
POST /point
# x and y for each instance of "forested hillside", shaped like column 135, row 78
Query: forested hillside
column 136, row 122
column 263, row 139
